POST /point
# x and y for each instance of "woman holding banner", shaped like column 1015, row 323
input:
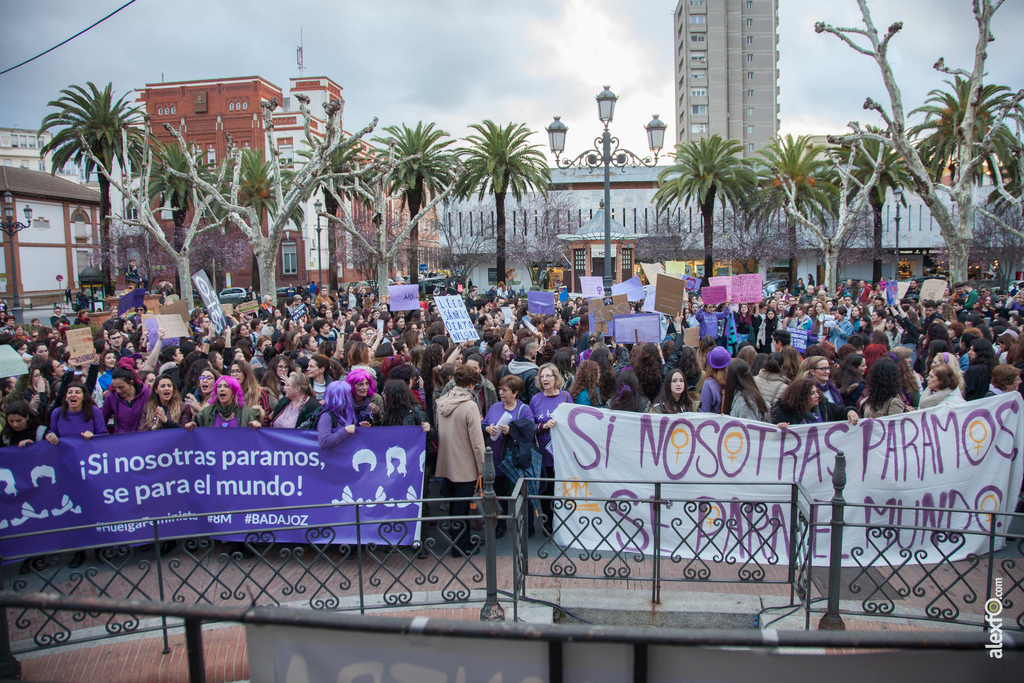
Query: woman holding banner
column 368, row 405
column 227, row 408
column 801, row 403
column 164, row 408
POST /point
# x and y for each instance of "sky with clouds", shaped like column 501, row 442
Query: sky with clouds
column 456, row 62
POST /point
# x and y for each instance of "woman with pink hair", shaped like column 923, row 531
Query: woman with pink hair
column 227, row 407
column 368, row 405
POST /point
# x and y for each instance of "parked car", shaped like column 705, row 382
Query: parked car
column 232, row 295
column 772, row 286
column 430, row 284
column 285, row 292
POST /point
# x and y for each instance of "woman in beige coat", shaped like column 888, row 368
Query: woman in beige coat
column 460, row 453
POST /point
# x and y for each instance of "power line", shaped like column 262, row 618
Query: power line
column 32, row 59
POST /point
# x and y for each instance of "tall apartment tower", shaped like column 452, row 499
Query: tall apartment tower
column 727, row 71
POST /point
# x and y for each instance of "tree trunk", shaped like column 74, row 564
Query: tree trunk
column 382, row 262
column 331, row 207
column 415, row 200
column 707, row 210
column 876, row 245
column 181, row 262
column 792, row 255
column 267, row 264
column 830, row 251
column 959, row 250
column 499, row 235
column 105, row 255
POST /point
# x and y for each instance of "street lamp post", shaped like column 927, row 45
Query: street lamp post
column 318, row 206
column 606, row 153
column 897, row 193
column 11, row 228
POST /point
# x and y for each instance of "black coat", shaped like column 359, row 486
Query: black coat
column 832, row 413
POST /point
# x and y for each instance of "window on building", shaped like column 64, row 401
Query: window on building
column 700, row 75
column 696, row 37
column 750, row 40
column 231, row 106
column 699, row 109
column 750, row 58
column 697, row 18
column 750, row 129
column 627, row 263
column 7, row 162
column 750, row 22
column 42, row 166
column 750, row 4
column 24, row 164
column 289, row 258
column 750, row 93
column 698, row 128
column 702, row 59
column 31, row 141
column 24, row 140
column 287, row 154
column 750, row 111
column 160, row 111
column 750, row 75
column 698, row 92
column 579, row 261
column 211, row 156
column 245, row 105
column 696, row 3
column 750, row 146
column 174, row 110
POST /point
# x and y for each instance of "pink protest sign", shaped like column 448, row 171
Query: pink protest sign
column 404, row 297
column 715, row 295
column 747, row 288
column 722, row 281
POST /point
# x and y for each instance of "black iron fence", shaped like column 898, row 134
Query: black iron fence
column 656, row 537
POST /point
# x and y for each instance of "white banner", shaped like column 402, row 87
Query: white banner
column 955, row 459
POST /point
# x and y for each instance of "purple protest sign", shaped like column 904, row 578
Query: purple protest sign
column 715, row 295
column 541, row 302
column 692, row 283
column 632, row 288
column 747, row 288
column 892, row 292
column 113, row 479
column 404, row 297
column 152, row 327
column 797, row 338
column 631, row 329
column 131, row 300
column 592, row 286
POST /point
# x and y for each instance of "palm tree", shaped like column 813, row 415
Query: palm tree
column 703, row 171
column 425, row 165
column 171, row 189
column 944, row 113
column 100, row 119
column 894, row 175
column 500, row 160
column 804, row 163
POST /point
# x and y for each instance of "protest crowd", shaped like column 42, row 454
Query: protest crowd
column 337, row 363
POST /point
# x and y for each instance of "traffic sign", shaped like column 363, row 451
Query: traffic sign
column 60, row 278
column 423, row 267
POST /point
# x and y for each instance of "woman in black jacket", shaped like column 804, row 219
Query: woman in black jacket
column 801, row 403
column 298, row 408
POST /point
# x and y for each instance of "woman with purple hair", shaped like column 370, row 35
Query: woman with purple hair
column 227, row 407
column 367, row 404
column 337, row 417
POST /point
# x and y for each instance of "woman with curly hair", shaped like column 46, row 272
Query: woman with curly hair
column 883, row 393
column 227, row 408
column 801, row 403
column 586, row 386
column 673, row 397
column 401, row 408
column 647, row 367
column 941, row 388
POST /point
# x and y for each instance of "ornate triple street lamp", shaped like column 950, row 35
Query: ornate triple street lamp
column 606, row 153
column 318, row 207
column 11, row 228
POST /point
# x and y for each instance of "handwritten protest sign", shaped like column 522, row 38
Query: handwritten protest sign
column 178, row 308
column 670, row 295
column 902, row 290
column 632, row 288
column 933, row 289
column 747, row 288
column 209, row 297
column 541, row 302
column 715, row 295
column 951, row 460
column 722, row 281
column 592, row 286
column 604, row 310
column 797, row 338
column 456, row 318
column 652, row 271
column 229, row 309
column 172, row 326
column 245, row 307
column 153, row 334
column 80, row 345
column 298, row 311
column 506, row 312
column 637, row 328
column 404, row 297
column 692, row 283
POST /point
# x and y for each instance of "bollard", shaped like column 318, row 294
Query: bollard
column 831, row 621
column 10, row 668
column 491, row 611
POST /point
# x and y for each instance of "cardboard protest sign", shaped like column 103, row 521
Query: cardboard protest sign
column 541, row 302
column 11, row 364
column 691, row 336
column 131, row 300
column 592, row 286
column 152, row 326
column 722, row 281
column 670, row 295
column 902, row 290
column 404, row 297
column 604, row 310
column 632, row 288
column 637, row 328
column 892, row 294
column 715, row 295
column 209, row 297
column 80, row 346
column 172, row 326
column 648, row 306
column 933, row 289
column 652, row 271
column 747, row 289
column 246, row 307
column 797, row 338
column 180, row 309
column 456, row 318
column 692, row 283
column 229, row 309
column 298, row 311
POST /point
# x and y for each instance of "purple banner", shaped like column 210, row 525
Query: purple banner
column 110, row 480
column 131, row 300
column 541, row 302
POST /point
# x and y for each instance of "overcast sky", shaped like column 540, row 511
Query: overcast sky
column 457, row 62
